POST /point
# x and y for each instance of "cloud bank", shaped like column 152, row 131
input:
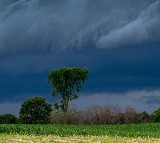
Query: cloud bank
column 141, row 100
column 36, row 26
column 143, row 29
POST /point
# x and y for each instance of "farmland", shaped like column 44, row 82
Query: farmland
column 80, row 133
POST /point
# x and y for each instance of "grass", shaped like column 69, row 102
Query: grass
column 143, row 133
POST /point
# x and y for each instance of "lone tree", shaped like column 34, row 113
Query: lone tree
column 35, row 110
column 67, row 83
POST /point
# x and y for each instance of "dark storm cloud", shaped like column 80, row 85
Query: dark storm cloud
column 110, row 72
column 35, row 32
column 118, row 41
column 17, row 88
column 5, row 3
column 142, row 29
column 43, row 26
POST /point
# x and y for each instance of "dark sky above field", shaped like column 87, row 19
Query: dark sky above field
column 117, row 40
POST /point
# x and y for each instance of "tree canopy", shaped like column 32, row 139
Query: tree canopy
column 156, row 115
column 66, row 84
column 35, row 110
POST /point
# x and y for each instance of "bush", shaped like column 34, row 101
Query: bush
column 35, row 111
column 8, row 119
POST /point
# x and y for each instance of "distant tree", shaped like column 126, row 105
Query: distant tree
column 155, row 116
column 145, row 117
column 35, row 111
column 130, row 115
column 119, row 118
column 8, row 119
column 67, row 83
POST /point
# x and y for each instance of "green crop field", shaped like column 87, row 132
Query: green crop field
column 140, row 133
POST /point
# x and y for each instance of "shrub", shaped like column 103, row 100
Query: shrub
column 8, row 119
column 35, row 111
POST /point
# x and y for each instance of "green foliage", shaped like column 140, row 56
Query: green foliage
column 156, row 115
column 67, row 83
column 8, row 119
column 35, row 110
column 127, row 130
column 146, row 117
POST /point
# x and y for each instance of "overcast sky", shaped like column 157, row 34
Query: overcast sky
column 117, row 40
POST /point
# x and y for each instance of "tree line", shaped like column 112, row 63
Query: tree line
column 40, row 112
column 66, row 85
